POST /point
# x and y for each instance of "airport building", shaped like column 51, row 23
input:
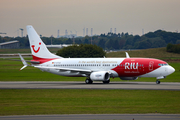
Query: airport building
column 9, row 45
column 58, row 46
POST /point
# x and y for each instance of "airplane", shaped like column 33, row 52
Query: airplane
column 94, row 69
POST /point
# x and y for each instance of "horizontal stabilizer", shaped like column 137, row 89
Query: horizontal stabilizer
column 23, row 61
column 23, row 67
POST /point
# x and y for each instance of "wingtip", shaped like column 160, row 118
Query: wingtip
column 127, row 55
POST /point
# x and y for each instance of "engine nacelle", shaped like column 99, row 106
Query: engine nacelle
column 128, row 78
column 101, row 76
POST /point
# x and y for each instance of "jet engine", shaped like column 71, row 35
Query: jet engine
column 101, row 76
column 128, row 78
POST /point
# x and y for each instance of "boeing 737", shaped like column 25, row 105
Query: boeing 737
column 94, row 69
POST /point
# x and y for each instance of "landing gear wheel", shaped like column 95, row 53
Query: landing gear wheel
column 88, row 81
column 158, row 82
column 106, row 82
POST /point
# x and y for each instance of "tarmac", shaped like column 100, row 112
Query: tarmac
column 95, row 117
column 95, row 85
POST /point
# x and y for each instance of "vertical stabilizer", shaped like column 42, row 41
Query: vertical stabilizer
column 38, row 48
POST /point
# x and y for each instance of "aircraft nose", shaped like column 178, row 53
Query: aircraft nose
column 171, row 69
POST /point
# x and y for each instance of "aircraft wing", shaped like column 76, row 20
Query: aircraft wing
column 82, row 71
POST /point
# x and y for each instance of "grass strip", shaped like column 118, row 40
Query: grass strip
column 146, row 53
column 87, row 101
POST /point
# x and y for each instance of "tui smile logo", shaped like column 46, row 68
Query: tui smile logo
column 36, row 51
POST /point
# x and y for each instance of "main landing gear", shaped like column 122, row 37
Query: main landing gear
column 88, row 81
column 158, row 82
column 106, row 82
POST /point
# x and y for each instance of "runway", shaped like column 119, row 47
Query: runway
column 95, row 85
column 95, row 117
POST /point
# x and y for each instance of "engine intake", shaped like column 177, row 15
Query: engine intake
column 101, row 76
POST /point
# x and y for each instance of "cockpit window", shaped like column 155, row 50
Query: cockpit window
column 163, row 64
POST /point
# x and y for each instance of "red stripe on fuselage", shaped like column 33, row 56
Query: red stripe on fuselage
column 42, row 60
column 133, row 67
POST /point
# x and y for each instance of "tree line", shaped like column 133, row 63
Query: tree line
column 81, row 51
column 111, row 41
column 175, row 48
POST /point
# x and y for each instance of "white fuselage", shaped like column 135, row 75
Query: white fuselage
column 104, row 64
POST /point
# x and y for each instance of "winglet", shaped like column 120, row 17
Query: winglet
column 127, row 55
column 23, row 61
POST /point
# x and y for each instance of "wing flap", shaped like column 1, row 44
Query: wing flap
column 82, row 71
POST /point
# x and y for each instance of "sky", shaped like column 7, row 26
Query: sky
column 49, row 16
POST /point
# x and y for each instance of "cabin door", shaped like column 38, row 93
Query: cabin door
column 151, row 65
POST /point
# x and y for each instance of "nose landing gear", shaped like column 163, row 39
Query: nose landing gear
column 158, row 82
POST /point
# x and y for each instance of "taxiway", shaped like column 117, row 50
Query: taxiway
column 96, row 85
column 95, row 117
